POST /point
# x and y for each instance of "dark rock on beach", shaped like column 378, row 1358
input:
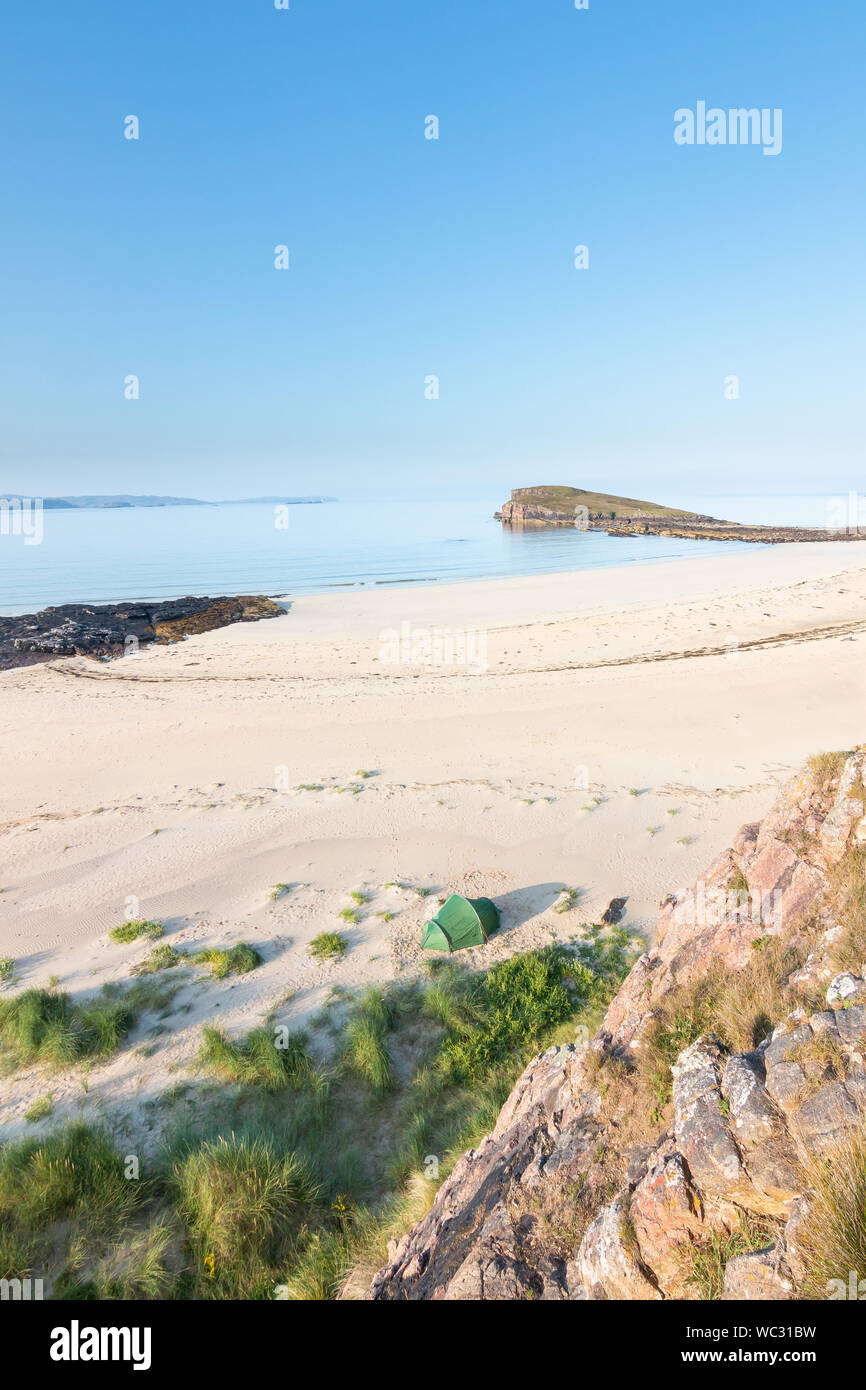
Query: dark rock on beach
column 108, row 630
column 615, row 911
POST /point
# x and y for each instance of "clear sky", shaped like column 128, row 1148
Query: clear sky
column 411, row 257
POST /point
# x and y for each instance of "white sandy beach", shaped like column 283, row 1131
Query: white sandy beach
column 622, row 724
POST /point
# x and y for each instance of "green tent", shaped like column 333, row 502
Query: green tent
column 460, row 922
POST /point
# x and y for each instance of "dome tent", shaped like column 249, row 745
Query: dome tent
column 460, row 922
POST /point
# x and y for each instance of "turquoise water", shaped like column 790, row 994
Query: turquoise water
column 108, row 556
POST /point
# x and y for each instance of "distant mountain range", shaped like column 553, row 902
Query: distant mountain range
column 127, row 500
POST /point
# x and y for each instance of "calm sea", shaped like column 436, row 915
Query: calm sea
column 110, row 555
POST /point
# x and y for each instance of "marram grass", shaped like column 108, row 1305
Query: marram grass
column 242, row 1199
column 131, row 931
column 265, row 1057
column 236, row 960
column 45, row 1027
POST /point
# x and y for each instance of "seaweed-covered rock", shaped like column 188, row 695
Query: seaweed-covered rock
column 110, row 630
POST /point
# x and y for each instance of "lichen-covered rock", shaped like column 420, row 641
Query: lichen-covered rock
column 759, row 1129
column 472, row 1240
column 845, row 988
column 703, row 1132
column 760, row 1274
column 847, row 811
column 609, row 1262
column 667, row 1212
column 823, row 1119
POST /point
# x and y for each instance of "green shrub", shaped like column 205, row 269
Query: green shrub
column 512, row 1006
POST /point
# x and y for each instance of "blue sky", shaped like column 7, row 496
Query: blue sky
column 412, row 257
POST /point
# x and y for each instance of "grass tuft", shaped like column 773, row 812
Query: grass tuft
column 131, row 931
column 832, row 1237
column 73, row 1173
column 238, row 960
column 366, row 1049
column 45, row 1027
column 704, row 1262
column 163, row 957
column 827, row 768
column 39, row 1110
column 242, row 1201
column 741, row 1007
column 327, row 945
column 848, row 882
column 269, row 1059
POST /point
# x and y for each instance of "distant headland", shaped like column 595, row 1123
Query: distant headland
column 549, row 505
column 112, row 500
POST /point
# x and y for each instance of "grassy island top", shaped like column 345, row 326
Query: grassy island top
column 565, row 499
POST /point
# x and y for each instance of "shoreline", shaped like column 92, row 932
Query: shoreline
column 511, row 600
column 358, row 607
column 269, row 588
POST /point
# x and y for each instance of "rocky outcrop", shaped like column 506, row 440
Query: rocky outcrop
column 575, row 507
column 580, row 1192
column 622, row 516
column 114, row 629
